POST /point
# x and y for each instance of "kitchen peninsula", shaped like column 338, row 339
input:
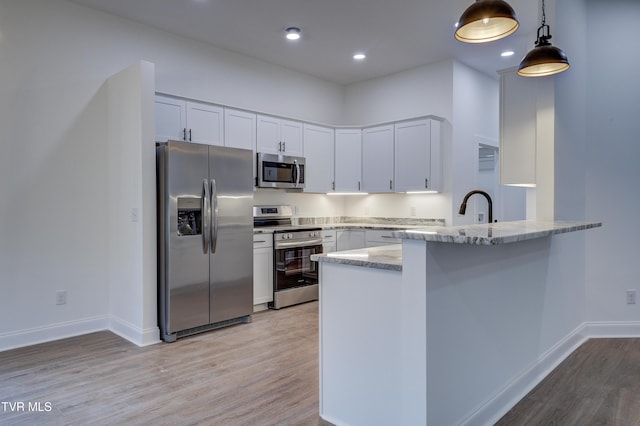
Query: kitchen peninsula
column 450, row 327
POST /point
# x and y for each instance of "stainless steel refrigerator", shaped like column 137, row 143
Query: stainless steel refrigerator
column 205, row 237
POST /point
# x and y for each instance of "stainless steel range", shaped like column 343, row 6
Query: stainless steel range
column 295, row 275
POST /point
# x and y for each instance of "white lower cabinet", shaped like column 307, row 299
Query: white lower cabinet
column 348, row 239
column 329, row 241
column 375, row 238
column 262, row 270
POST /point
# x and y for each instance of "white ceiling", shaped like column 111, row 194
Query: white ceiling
column 395, row 34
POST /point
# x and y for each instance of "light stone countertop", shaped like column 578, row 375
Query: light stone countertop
column 495, row 233
column 390, row 257
column 384, row 257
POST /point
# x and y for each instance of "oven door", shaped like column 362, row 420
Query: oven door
column 294, row 267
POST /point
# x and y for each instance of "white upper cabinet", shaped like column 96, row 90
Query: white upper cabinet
column 178, row 119
column 205, row 123
column 377, row 159
column 417, row 156
column 171, row 118
column 279, row 136
column 239, row 129
column 348, row 160
column 318, row 151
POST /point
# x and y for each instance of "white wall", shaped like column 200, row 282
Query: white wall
column 132, row 205
column 55, row 57
column 607, row 150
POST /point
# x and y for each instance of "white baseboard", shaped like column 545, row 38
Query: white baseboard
column 52, row 332
column 613, row 329
column 33, row 336
column 134, row 334
column 504, row 399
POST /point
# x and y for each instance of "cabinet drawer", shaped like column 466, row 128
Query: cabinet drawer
column 381, row 237
column 328, row 236
column 262, row 240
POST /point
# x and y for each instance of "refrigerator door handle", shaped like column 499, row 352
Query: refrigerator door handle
column 206, row 213
column 214, row 215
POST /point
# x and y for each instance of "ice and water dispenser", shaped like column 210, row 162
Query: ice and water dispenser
column 189, row 216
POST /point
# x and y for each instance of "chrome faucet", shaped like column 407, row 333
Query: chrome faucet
column 463, row 206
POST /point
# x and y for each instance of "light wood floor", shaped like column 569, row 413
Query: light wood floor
column 266, row 373
column 598, row 384
column 262, row 373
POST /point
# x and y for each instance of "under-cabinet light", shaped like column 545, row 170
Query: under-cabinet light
column 347, row 193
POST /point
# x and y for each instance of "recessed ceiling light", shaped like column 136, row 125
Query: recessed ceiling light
column 507, row 53
column 359, row 56
column 292, row 33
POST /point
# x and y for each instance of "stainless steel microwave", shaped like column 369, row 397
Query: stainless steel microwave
column 280, row 171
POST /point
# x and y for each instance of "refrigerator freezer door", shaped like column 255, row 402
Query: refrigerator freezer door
column 184, row 277
column 231, row 265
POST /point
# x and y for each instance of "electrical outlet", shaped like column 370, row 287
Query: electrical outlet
column 481, row 217
column 61, row 297
column 135, row 217
column 631, row 297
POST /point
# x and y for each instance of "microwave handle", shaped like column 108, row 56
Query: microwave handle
column 296, row 178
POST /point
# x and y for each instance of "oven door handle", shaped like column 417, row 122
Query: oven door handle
column 296, row 244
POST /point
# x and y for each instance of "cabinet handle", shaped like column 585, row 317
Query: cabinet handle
column 390, row 184
column 259, row 241
column 426, row 183
column 189, row 135
column 184, row 134
column 333, row 185
column 358, row 185
column 284, row 146
column 280, row 146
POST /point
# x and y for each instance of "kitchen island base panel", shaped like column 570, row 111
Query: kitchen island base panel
column 452, row 338
column 360, row 345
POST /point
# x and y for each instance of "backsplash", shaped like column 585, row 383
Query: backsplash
column 409, row 221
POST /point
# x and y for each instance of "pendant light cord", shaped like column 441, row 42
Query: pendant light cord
column 544, row 16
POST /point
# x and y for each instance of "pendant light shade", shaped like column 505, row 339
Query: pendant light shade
column 485, row 21
column 544, row 59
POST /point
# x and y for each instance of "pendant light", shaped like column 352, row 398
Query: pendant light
column 485, row 21
column 544, row 59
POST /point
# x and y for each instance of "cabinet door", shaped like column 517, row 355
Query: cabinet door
column 205, row 123
column 348, row 160
column 377, row 159
column 268, row 135
column 262, row 269
column 278, row 136
column 171, row 118
column 347, row 239
column 417, row 156
column 239, row 129
column 318, row 152
column 291, row 135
